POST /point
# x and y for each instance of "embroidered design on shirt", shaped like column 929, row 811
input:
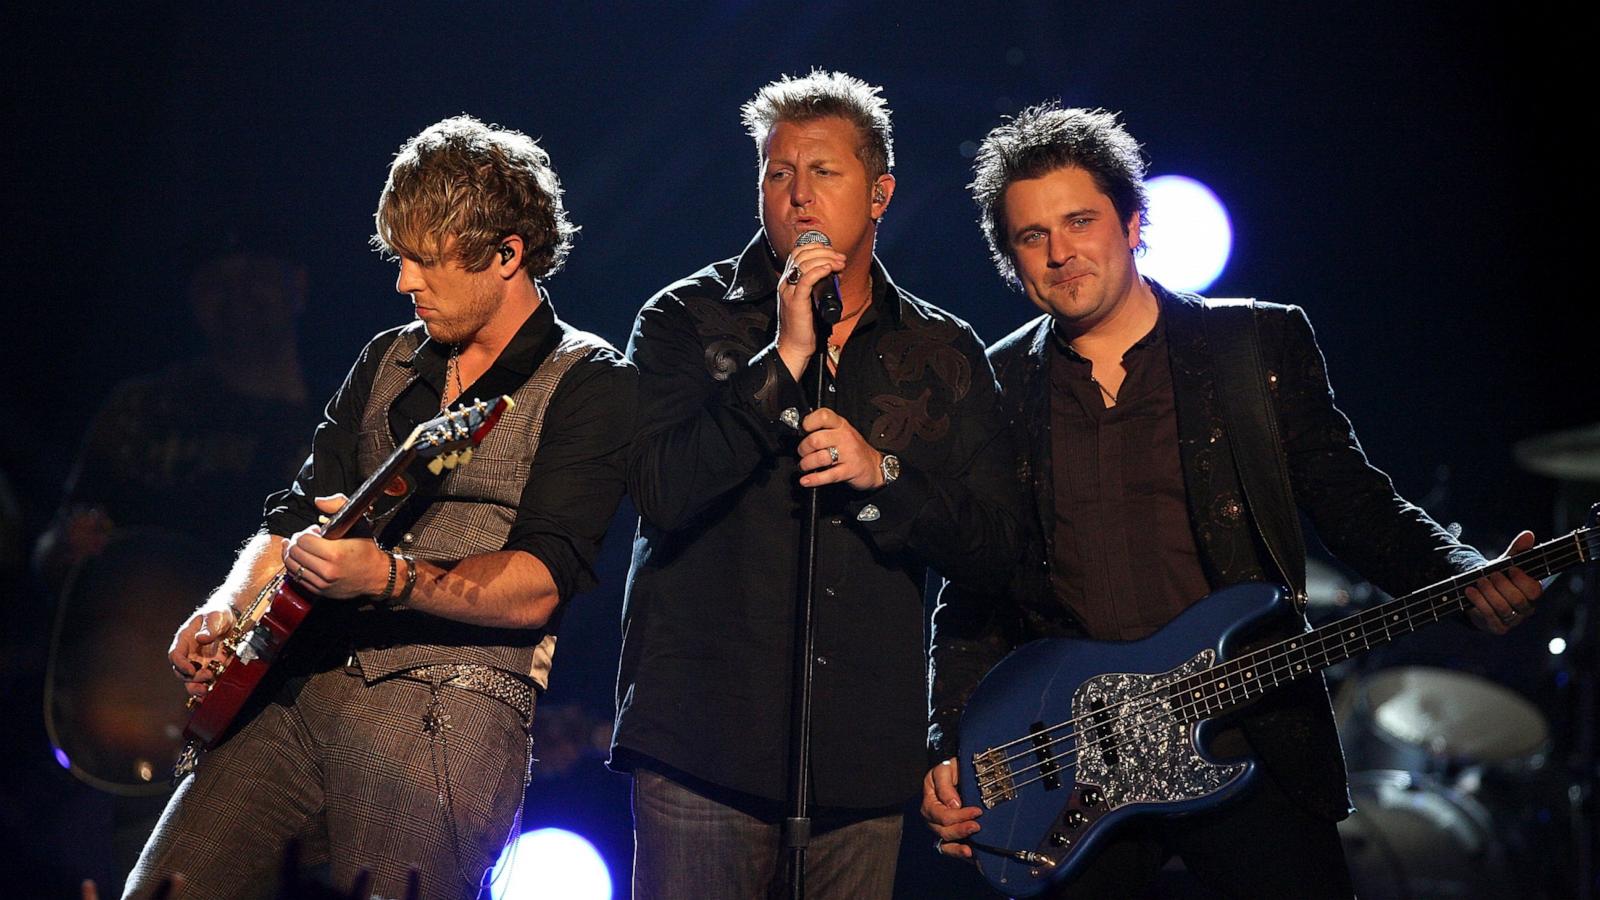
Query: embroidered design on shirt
column 908, row 353
column 902, row 418
column 731, row 335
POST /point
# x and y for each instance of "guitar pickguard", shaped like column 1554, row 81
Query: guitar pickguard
column 1136, row 750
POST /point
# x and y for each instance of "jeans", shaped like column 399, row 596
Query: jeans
column 353, row 772
column 687, row 845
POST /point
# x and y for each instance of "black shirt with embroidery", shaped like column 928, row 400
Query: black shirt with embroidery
column 577, row 477
column 705, row 680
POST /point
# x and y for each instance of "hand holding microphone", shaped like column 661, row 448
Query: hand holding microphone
column 808, row 293
column 825, row 297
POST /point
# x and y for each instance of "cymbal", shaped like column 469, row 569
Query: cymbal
column 1572, row 454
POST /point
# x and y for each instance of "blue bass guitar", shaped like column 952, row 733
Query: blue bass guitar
column 1066, row 740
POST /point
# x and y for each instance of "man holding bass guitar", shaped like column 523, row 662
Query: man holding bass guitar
column 391, row 735
column 1155, row 481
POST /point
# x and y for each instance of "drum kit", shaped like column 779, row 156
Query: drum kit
column 1474, row 775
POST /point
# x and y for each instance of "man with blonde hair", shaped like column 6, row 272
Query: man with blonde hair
column 907, row 449
column 397, row 738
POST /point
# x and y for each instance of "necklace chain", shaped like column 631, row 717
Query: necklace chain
column 452, row 372
column 1104, row 390
column 835, row 351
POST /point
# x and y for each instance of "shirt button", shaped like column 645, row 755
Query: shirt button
column 822, row 660
column 830, row 389
column 830, row 592
column 836, row 521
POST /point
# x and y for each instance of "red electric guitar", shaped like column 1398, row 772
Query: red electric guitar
column 268, row 621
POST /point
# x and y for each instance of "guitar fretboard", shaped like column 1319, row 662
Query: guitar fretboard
column 1227, row 685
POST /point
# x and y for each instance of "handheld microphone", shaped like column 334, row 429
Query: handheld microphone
column 825, row 296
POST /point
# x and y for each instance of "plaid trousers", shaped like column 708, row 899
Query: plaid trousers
column 385, row 777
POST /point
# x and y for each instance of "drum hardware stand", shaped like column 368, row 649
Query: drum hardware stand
column 1582, row 659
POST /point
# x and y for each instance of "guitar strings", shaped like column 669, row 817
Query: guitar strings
column 1125, row 733
column 1319, row 637
column 1130, row 733
column 1322, row 635
column 1322, row 639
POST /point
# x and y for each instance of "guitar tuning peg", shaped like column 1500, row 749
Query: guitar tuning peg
column 466, row 456
column 436, row 465
column 451, row 458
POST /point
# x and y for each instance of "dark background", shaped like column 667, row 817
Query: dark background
column 1405, row 173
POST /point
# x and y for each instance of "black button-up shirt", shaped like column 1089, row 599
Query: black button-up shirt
column 705, row 681
column 1123, row 556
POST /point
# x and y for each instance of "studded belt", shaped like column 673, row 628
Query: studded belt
column 497, row 683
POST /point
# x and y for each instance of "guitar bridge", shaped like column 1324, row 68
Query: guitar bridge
column 995, row 783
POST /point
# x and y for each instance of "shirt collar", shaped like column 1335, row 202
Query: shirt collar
column 533, row 341
column 1156, row 332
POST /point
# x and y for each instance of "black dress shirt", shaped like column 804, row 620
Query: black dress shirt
column 1124, row 557
column 704, row 687
column 578, row 470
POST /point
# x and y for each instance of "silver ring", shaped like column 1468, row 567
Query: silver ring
column 833, row 456
column 794, row 275
column 300, row 573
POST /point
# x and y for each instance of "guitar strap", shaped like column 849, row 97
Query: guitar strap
column 1251, row 422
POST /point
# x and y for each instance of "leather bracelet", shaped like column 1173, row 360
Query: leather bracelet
column 388, row 586
column 403, row 599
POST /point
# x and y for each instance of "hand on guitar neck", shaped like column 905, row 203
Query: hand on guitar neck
column 1502, row 600
column 340, row 569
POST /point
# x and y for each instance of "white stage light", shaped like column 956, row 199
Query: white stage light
column 1189, row 236
column 550, row 863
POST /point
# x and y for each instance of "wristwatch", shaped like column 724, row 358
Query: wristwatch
column 890, row 467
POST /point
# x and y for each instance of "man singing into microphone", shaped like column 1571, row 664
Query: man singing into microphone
column 911, row 455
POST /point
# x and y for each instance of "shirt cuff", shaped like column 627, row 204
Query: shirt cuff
column 889, row 512
column 765, row 387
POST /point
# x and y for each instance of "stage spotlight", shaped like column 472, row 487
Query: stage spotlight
column 61, row 757
column 1558, row 646
column 1189, row 236
column 549, row 863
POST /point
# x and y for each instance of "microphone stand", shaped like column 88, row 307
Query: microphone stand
column 797, row 827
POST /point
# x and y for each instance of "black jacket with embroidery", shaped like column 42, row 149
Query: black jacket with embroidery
column 705, row 679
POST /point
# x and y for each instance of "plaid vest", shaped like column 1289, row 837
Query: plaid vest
column 471, row 512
